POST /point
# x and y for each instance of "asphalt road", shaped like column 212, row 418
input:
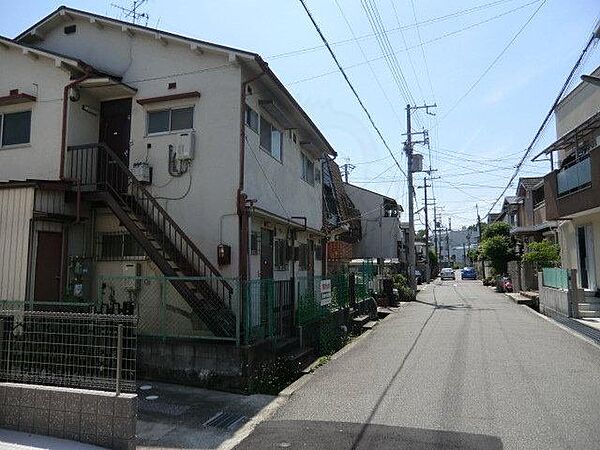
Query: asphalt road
column 463, row 367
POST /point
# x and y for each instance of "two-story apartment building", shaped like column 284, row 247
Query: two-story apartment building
column 531, row 222
column 127, row 150
column 572, row 190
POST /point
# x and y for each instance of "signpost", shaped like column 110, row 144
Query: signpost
column 325, row 292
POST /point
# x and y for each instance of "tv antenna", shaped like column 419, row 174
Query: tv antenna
column 132, row 12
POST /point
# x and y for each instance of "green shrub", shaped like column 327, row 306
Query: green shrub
column 406, row 294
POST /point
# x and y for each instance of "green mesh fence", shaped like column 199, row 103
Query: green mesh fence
column 556, row 278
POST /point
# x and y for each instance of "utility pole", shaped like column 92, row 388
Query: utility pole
column 408, row 148
column 448, row 240
column 478, row 222
column 427, row 262
column 347, row 168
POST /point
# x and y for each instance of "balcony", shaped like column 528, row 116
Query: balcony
column 575, row 189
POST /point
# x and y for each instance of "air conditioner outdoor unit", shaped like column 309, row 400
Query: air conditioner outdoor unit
column 143, row 172
column 185, row 146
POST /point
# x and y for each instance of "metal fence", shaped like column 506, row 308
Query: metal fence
column 81, row 350
column 555, row 278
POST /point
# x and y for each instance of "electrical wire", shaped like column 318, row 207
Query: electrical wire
column 495, row 60
column 443, row 36
column 391, row 30
column 343, row 72
column 422, row 49
column 588, row 46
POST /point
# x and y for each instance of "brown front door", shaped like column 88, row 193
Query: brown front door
column 115, row 128
column 48, row 266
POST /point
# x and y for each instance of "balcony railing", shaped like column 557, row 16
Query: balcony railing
column 574, row 177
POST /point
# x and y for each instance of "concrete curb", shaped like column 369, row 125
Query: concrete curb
column 563, row 327
column 286, row 393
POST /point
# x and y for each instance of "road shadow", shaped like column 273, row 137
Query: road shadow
column 346, row 435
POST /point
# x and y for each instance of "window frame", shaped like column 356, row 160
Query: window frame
column 248, row 113
column 2, row 121
column 272, row 128
column 280, row 255
column 122, row 238
column 304, row 174
column 170, row 110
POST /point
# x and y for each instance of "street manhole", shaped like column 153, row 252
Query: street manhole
column 225, row 421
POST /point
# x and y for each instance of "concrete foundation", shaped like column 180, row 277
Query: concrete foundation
column 93, row 417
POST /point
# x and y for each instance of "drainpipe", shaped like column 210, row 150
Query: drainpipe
column 242, row 198
column 63, row 137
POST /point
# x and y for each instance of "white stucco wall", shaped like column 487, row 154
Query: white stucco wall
column 380, row 235
column 41, row 78
column 147, row 65
column 578, row 106
column 278, row 186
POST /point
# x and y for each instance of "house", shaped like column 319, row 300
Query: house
column 131, row 152
column 572, row 189
column 341, row 219
column 380, row 224
column 510, row 210
column 532, row 224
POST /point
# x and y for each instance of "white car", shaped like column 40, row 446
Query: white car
column 447, row 274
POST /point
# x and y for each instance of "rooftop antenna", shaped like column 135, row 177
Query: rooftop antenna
column 132, row 12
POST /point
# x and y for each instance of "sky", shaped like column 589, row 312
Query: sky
column 493, row 67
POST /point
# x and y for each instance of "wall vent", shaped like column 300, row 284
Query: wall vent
column 70, row 29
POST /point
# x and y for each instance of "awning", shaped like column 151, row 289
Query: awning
column 570, row 139
column 107, row 87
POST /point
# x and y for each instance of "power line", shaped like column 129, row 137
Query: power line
column 364, row 55
column 391, row 30
column 443, row 36
column 493, row 63
column 595, row 35
column 422, row 48
column 343, row 72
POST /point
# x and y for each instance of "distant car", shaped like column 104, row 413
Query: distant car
column 418, row 276
column 468, row 273
column 447, row 274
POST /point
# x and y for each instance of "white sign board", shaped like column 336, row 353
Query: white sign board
column 325, row 292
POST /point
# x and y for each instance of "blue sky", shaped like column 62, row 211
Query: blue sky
column 475, row 142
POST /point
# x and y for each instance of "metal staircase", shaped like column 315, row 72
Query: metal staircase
column 100, row 175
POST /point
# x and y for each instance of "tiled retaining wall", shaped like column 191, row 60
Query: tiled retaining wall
column 93, row 417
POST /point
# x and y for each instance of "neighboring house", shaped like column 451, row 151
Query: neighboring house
column 532, row 224
column 341, row 219
column 572, row 191
column 158, row 155
column 510, row 210
column 380, row 224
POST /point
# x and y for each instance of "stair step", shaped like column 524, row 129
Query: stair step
column 362, row 319
column 589, row 314
column 369, row 325
column 589, row 306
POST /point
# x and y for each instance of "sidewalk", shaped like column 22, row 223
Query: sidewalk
column 16, row 440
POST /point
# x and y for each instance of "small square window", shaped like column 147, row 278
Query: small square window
column 158, row 121
column 308, row 170
column 182, row 119
column 16, row 128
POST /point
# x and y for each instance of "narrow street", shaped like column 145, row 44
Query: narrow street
column 463, row 367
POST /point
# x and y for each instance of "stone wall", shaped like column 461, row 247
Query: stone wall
column 93, row 417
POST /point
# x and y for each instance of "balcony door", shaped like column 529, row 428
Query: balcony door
column 115, row 129
column 585, row 257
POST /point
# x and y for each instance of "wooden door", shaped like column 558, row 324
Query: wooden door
column 48, row 266
column 115, row 129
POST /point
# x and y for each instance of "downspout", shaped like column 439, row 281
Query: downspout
column 243, row 233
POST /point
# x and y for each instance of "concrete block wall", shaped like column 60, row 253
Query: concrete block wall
column 93, row 417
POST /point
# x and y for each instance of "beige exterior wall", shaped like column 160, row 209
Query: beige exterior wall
column 277, row 186
column 41, row 78
column 16, row 212
column 567, row 239
column 147, row 65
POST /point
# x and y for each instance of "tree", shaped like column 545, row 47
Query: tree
column 473, row 254
column 420, row 235
column 495, row 229
column 542, row 254
column 498, row 250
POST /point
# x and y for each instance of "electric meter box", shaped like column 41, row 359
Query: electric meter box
column 131, row 272
column 142, row 172
column 185, row 146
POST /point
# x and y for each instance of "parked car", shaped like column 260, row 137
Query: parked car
column 447, row 274
column 468, row 273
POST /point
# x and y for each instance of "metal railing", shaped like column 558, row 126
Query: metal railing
column 78, row 350
column 556, row 278
column 575, row 176
column 95, row 167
